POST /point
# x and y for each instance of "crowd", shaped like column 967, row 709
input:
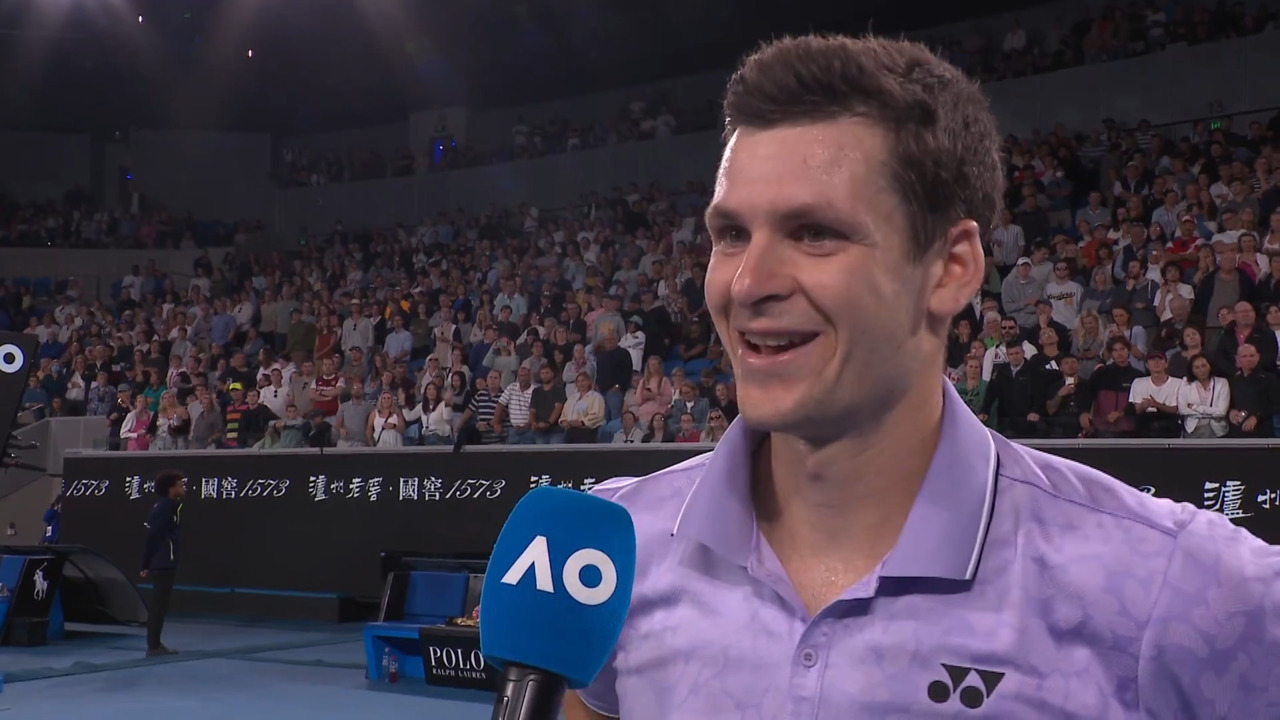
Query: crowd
column 1133, row 290
column 136, row 223
column 1115, row 32
column 1138, row 295
column 638, row 120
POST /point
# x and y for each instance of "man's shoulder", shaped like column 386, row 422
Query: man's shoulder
column 1103, row 510
column 1061, row 489
column 655, row 500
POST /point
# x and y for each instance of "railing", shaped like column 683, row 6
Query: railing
column 54, row 436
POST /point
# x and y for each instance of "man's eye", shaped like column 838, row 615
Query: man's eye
column 731, row 235
column 816, row 234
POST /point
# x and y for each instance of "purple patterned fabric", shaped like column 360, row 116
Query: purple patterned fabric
column 1023, row 586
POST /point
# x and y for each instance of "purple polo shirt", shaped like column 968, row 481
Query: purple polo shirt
column 1022, row 586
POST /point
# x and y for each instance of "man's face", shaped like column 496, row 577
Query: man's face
column 1016, row 355
column 523, row 377
column 179, row 490
column 1008, row 330
column 1247, row 358
column 494, row 381
column 1120, row 354
column 1245, row 315
column 1156, row 364
column 807, row 241
column 546, row 375
column 1070, row 366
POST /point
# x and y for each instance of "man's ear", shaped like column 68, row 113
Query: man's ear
column 960, row 266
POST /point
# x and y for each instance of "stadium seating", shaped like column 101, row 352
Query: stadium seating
column 1096, row 271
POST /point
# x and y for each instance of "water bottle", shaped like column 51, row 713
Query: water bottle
column 386, row 664
column 394, row 675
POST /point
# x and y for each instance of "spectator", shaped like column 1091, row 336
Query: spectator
column 631, row 431
column 584, row 412
column 134, row 429
column 352, row 418
column 1255, row 396
column 1203, row 400
column 385, row 426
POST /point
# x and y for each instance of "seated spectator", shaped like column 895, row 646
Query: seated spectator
column 584, row 412
column 1255, row 395
column 631, row 431
column 1106, row 412
column 1155, row 400
column 716, row 427
column 1203, row 401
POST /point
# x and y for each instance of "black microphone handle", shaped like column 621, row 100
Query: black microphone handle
column 529, row 694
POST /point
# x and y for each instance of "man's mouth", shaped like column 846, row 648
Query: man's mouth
column 775, row 343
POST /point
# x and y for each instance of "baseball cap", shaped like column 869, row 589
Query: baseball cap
column 1187, row 218
column 1157, row 354
column 1022, row 261
column 235, row 386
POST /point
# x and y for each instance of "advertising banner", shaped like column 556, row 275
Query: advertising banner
column 317, row 522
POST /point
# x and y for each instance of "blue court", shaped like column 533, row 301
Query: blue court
column 225, row 669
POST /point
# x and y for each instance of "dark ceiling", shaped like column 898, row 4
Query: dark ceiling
column 89, row 65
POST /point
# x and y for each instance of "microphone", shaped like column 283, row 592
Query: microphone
column 555, row 597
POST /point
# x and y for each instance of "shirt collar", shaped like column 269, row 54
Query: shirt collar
column 945, row 530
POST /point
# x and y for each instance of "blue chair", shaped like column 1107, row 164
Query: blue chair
column 671, row 365
column 22, row 282
column 116, row 287
column 726, row 379
column 694, row 368
column 674, row 353
column 42, row 287
column 416, row 365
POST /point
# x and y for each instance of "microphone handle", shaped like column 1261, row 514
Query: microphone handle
column 529, row 694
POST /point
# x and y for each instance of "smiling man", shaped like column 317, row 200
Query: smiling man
column 858, row 545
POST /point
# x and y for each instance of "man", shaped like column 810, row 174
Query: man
column 1019, row 293
column 479, row 424
column 545, row 405
column 1255, row 395
column 1155, row 400
column 1064, row 295
column 1016, row 387
column 160, row 556
column 514, row 405
column 1245, row 329
column 997, row 355
column 858, row 545
column 52, row 522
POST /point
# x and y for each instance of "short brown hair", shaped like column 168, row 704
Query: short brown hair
column 945, row 155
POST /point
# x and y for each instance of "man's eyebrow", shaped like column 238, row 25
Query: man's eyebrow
column 805, row 212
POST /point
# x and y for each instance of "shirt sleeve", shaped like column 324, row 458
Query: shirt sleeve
column 1210, row 648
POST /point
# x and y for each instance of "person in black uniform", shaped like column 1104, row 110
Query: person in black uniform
column 160, row 557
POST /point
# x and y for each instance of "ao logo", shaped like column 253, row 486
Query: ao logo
column 538, row 557
column 11, row 359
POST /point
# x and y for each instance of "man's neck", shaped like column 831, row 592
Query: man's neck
column 844, row 504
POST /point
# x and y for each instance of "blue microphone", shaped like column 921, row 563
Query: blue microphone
column 555, row 597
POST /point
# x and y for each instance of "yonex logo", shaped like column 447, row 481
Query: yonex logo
column 12, row 359
column 970, row 696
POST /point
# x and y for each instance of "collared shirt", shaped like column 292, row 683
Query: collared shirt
column 1024, row 584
